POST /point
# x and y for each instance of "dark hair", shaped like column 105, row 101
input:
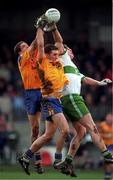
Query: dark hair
column 17, row 47
column 49, row 47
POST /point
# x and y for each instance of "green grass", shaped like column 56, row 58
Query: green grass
column 15, row 172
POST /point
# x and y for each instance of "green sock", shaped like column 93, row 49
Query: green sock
column 69, row 159
column 106, row 154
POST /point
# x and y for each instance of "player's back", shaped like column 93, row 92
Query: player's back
column 27, row 67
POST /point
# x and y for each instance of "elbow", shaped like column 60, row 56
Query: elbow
column 60, row 46
column 40, row 45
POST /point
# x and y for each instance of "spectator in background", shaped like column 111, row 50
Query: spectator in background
column 106, row 131
column 5, row 72
column 6, row 106
column 3, row 86
column 3, row 136
column 18, row 103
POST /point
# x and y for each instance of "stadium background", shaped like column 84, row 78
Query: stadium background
column 86, row 27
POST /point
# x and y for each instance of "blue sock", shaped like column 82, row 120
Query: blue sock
column 58, row 156
column 28, row 154
column 37, row 157
column 107, row 175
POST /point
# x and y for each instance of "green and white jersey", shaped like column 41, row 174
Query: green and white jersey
column 73, row 74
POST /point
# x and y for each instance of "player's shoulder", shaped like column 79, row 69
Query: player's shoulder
column 102, row 124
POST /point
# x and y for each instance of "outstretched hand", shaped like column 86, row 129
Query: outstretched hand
column 41, row 21
column 105, row 81
column 50, row 27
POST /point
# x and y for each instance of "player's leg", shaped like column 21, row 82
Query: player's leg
column 75, row 109
column 74, row 145
column 78, row 109
column 51, row 126
column 80, row 131
column 59, row 147
column 63, row 134
column 36, row 145
column 91, row 128
column 61, row 123
column 108, row 168
column 34, row 121
column 50, row 129
column 33, row 107
column 63, row 126
column 53, row 114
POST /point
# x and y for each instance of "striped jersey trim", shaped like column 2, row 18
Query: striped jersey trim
column 75, row 106
column 71, row 69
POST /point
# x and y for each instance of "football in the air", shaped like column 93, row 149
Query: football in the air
column 53, row 15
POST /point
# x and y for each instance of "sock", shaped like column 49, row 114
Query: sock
column 107, row 175
column 69, row 159
column 37, row 157
column 58, row 157
column 28, row 155
column 106, row 154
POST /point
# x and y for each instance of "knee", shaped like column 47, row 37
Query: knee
column 48, row 137
column 65, row 133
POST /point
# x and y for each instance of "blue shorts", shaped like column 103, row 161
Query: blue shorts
column 110, row 148
column 50, row 106
column 32, row 100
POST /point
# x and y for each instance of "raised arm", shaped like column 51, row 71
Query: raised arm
column 93, row 82
column 56, row 36
column 33, row 45
column 40, row 43
column 58, row 40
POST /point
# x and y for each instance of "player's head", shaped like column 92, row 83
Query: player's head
column 20, row 47
column 52, row 52
column 109, row 118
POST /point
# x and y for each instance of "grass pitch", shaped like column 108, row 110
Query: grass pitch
column 16, row 173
